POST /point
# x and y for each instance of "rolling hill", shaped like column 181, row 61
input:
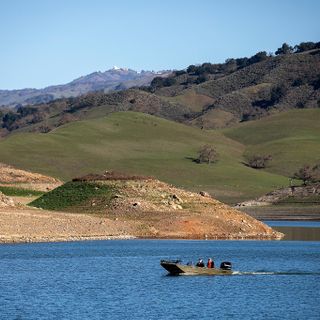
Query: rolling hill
column 292, row 139
column 209, row 96
column 138, row 143
column 262, row 105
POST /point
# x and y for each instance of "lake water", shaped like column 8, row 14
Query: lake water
column 297, row 230
column 123, row 280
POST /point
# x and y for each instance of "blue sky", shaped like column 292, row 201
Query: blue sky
column 47, row 42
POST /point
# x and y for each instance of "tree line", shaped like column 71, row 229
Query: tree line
column 206, row 69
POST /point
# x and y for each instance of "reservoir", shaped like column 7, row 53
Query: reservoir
column 297, row 230
column 122, row 279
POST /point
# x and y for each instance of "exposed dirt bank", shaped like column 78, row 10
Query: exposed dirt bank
column 295, row 194
column 10, row 176
column 34, row 225
column 107, row 208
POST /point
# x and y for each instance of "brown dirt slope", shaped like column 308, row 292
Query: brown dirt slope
column 169, row 212
column 34, row 225
column 6, row 201
column 139, row 207
column 10, row 176
column 156, row 209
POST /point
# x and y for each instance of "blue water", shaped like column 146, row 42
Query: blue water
column 289, row 223
column 123, row 280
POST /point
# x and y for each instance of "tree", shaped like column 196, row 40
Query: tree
column 9, row 121
column 191, row 69
column 284, row 49
column 277, row 93
column 202, row 78
column 207, row 154
column 316, row 173
column 258, row 57
column 242, row 62
column 179, row 72
column 316, row 83
column 168, row 82
column 304, row 174
column 157, row 82
column 305, row 46
column 259, row 161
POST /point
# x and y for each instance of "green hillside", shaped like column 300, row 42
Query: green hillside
column 141, row 144
column 76, row 196
column 292, row 138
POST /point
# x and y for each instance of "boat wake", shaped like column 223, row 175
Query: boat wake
column 264, row 273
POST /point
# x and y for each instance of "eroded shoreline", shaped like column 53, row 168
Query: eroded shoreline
column 29, row 225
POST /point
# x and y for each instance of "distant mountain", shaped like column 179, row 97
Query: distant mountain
column 208, row 96
column 114, row 79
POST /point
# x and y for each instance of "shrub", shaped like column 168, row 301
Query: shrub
column 277, row 93
column 306, row 46
column 207, row 154
column 258, row 57
column 284, row 49
column 259, row 161
column 180, row 72
column 157, row 82
column 202, row 78
column 168, row 82
column 304, row 174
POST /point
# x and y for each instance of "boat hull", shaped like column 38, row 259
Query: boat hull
column 180, row 269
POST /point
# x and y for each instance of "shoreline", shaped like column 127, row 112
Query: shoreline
column 280, row 213
column 25, row 240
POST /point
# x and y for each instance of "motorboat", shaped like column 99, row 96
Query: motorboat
column 176, row 267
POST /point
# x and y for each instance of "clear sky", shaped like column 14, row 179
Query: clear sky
column 46, row 42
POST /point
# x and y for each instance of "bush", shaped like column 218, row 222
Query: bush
column 180, row 72
column 202, row 78
column 207, row 154
column 168, row 82
column 277, row 93
column 191, row 69
column 298, row 82
column 304, row 174
column 285, row 49
column 316, row 83
column 258, row 57
column 9, row 119
column 259, row 161
column 157, row 82
column 306, row 46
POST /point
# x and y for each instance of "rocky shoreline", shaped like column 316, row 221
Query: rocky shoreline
column 29, row 225
column 118, row 206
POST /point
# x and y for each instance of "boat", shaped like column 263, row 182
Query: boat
column 176, row 268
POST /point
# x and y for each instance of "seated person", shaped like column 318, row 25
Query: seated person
column 210, row 263
column 200, row 263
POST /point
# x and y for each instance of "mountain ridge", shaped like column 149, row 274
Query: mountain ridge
column 109, row 80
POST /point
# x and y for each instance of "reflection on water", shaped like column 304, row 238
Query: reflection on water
column 290, row 223
column 297, row 230
column 299, row 233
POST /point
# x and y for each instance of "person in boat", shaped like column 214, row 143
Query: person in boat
column 210, row 263
column 200, row 263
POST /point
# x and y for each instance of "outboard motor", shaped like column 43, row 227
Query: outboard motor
column 225, row 265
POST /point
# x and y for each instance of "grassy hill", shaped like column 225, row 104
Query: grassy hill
column 142, row 144
column 292, row 138
column 209, row 96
